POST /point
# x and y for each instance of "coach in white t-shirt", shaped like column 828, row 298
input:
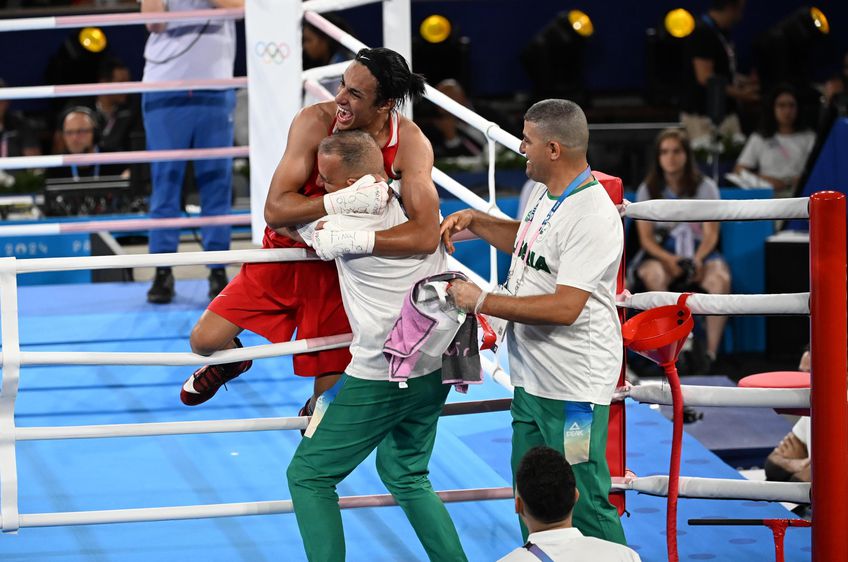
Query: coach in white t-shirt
column 565, row 346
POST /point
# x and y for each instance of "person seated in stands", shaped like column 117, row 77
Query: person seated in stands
column 545, row 494
column 779, row 150
column 119, row 113
column 17, row 138
column 16, row 135
column 319, row 49
column 680, row 256
column 450, row 136
column 80, row 132
column 790, row 460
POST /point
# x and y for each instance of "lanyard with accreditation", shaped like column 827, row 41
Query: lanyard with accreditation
column 571, row 189
column 499, row 325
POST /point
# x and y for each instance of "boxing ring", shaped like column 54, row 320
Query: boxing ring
column 201, row 479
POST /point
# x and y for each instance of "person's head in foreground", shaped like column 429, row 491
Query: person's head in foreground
column 545, row 490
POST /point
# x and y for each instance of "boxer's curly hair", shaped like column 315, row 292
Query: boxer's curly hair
column 395, row 82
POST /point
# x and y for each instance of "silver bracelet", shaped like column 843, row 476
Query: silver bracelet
column 480, row 300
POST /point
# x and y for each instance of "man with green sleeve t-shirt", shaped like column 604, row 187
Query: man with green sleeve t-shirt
column 565, row 347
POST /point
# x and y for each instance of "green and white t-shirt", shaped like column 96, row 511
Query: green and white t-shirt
column 580, row 247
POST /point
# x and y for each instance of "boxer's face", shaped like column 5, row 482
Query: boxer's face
column 356, row 97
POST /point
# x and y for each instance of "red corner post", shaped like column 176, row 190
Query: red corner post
column 829, row 406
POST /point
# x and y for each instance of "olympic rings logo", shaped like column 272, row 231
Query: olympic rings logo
column 271, row 52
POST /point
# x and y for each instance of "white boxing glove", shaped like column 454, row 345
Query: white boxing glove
column 365, row 197
column 330, row 242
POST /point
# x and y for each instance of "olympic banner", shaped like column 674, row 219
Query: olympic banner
column 274, row 71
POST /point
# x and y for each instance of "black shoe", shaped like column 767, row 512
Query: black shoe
column 217, row 281
column 162, row 290
column 691, row 415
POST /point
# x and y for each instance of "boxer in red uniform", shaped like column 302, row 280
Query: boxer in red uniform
column 274, row 299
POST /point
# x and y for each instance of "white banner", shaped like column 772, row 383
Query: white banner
column 274, row 71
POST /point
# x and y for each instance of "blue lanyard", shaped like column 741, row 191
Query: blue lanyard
column 75, row 169
column 575, row 183
column 537, row 552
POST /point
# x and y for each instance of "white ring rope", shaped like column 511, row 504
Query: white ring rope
column 697, row 210
column 497, row 373
column 177, row 359
column 730, row 396
column 232, row 509
column 110, row 20
column 164, row 260
column 219, row 426
column 73, row 90
column 336, row 5
column 50, row 229
column 316, row 90
column 126, row 157
column 707, row 488
column 719, row 488
column 722, row 305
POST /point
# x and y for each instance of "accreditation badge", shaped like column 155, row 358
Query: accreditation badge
column 577, row 431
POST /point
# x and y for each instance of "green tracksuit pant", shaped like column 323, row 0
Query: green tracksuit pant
column 579, row 431
column 401, row 424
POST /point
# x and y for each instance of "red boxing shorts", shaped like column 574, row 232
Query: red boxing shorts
column 274, row 299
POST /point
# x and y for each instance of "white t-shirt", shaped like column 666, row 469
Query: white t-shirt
column 373, row 289
column 569, row 545
column 780, row 156
column 581, row 248
column 193, row 50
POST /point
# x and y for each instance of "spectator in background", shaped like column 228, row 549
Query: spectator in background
column 450, row 136
column 779, row 150
column 80, row 132
column 118, row 113
column 189, row 119
column 319, row 49
column 16, row 136
column 712, row 56
column 676, row 255
column 545, row 495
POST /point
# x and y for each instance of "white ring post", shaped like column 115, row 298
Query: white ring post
column 8, row 392
column 274, row 91
column 397, row 33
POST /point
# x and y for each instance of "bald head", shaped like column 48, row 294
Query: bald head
column 562, row 121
